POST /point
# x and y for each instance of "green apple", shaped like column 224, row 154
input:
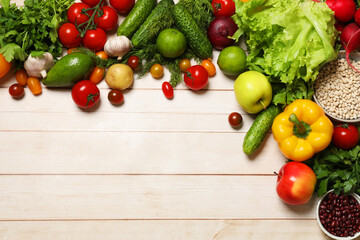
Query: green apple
column 253, row 91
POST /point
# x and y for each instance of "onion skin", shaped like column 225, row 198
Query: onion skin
column 219, row 31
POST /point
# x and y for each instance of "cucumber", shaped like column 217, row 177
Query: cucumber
column 259, row 129
column 195, row 37
column 159, row 19
column 136, row 17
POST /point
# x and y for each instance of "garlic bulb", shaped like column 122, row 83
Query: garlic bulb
column 37, row 66
column 117, row 46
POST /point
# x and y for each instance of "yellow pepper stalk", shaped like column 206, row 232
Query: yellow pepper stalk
column 302, row 130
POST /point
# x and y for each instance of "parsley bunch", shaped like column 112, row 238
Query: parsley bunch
column 337, row 169
column 31, row 29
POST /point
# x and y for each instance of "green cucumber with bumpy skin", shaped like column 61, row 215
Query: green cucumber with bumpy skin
column 136, row 17
column 259, row 129
column 159, row 19
column 195, row 37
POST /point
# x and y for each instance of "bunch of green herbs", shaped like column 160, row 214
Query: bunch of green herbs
column 337, row 169
column 31, row 29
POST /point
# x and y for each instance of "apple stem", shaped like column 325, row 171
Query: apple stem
column 262, row 103
column 276, row 174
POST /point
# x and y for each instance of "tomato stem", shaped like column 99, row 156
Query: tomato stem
column 90, row 97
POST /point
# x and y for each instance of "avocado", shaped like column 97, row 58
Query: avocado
column 69, row 70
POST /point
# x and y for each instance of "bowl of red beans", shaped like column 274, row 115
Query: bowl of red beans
column 339, row 215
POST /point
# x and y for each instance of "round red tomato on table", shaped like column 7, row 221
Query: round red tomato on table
column 94, row 39
column 85, row 94
column 223, row 8
column 76, row 14
column 91, row 3
column 122, row 6
column 196, row 77
column 107, row 18
column 69, row 35
column 345, row 136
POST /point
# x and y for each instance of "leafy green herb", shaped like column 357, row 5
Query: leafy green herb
column 201, row 10
column 338, row 169
column 31, row 29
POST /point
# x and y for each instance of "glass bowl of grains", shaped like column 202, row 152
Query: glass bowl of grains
column 337, row 89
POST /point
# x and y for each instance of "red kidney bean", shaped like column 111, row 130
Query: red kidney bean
column 340, row 215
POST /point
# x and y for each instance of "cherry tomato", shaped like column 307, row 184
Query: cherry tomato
column 16, row 90
column 34, row 85
column 102, row 54
column 94, row 39
column 21, row 76
column 184, row 64
column 91, row 3
column 97, row 75
column 76, row 13
column 209, row 66
column 71, row 50
column 223, row 8
column 345, row 136
column 4, row 66
column 122, row 6
column 157, row 71
column 69, row 36
column 115, row 96
column 235, row 119
column 133, row 62
column 108, row 20
column 167, row 90
column 85, row 94
column 196, row 77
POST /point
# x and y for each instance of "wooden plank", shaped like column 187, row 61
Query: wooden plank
column 163, row 229
column 43, row 197
column 134, row 153
column 138, row 101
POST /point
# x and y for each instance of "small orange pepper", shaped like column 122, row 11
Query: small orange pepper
column 34, row 85
column 21, row 76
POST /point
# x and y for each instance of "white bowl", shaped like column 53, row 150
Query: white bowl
column 355, row 55
column 322, row 227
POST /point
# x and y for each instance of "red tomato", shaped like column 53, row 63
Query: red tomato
column 167, row 90
column 69, row 36
column 16, row 90
column 235, row 119
column 108, row 18
column 85, row 94
column 223, row 8
column 122, row 6
column 75, row 13
column 94, row 39
column 345, row 136
column 133, row 62
column 115, row 97
column 91, row 3
column 196, row 77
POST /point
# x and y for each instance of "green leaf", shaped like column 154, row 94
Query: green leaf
column 322, row 189
column 5, row 4
column 11, row 51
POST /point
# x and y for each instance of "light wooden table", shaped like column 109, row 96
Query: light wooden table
column 149, row 169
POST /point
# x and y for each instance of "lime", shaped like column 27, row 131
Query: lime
column 232, row 60
column 171, row 43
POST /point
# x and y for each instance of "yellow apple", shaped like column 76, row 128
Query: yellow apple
column 253, row 91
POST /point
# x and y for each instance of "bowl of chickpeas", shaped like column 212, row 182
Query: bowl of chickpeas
column 337, row 88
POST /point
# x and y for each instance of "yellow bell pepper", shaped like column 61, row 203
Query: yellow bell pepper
column 302, row 130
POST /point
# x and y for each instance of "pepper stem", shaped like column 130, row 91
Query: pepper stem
column 300, row 127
